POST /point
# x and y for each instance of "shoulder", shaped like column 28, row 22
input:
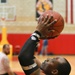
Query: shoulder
column 2, row 55
column 4, row 58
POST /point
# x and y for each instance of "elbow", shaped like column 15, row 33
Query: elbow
column 19, row 57
column 23, row 57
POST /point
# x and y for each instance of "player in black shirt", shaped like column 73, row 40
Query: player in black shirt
column 32, row 66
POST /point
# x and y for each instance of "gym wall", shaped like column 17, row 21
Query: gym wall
column 25, row 23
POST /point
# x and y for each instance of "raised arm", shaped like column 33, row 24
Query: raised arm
column 26, row 57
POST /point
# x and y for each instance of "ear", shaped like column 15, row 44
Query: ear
column 54, row 72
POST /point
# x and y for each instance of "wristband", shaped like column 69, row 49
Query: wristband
column 36, row 34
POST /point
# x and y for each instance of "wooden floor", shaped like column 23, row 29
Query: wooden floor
column 17, row 68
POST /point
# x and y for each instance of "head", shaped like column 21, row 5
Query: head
column 6, row 49
column 56, row 66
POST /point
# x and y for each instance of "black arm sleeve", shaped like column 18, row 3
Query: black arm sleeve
column 27, row 52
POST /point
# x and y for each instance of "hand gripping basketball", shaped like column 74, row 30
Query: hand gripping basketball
column 50, row 24
column 44, row 23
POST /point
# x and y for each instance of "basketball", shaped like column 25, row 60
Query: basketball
column 58, row 26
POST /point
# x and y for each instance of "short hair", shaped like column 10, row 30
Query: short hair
column 64, row 68
column 4, row 46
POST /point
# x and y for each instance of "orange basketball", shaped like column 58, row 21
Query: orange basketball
column 58, row 26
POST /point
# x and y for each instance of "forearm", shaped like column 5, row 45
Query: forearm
column 26, row 56
column 27, row 51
